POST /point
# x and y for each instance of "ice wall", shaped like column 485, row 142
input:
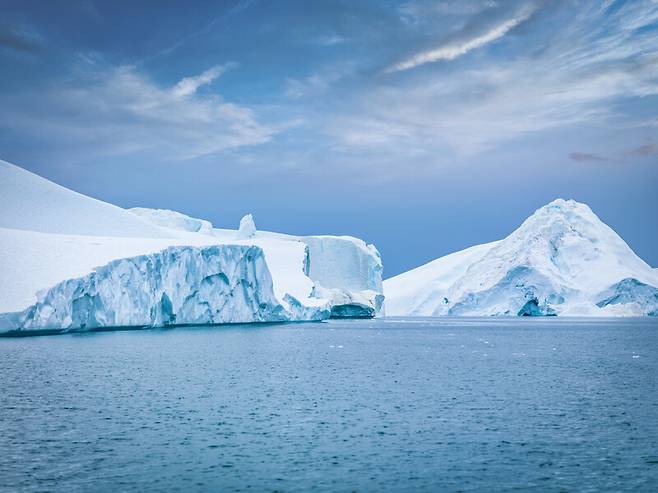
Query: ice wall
column 348, row 272
column 177, row 286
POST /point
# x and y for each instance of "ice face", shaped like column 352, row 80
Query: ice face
column 247, row 228
column 180, row 285
column 629, row 291
column 347, row 272
column 522, row 291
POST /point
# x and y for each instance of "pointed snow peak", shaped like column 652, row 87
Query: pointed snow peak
column 561, row 216
column 566, row 208
column 247, row 228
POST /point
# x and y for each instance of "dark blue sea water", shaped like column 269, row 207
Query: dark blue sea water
column 381, row 405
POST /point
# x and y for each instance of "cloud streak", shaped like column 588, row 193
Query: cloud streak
column 643, row 151
column 239, row 7
column 190, row 85
column 454, row 49
column 586, row 156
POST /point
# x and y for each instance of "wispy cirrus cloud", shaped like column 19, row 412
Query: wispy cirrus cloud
column 468, row 39
column 319, row 82
column 119, row 111
column 189, row 85
column 581, row 75
column 421, row 11
column 331, row 39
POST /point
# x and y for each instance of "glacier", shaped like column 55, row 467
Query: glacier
column 563, row 260
column 65, row 260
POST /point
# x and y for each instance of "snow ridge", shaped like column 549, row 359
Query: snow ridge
column 174, row 220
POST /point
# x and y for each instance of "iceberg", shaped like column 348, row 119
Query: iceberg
column 563, row 260
column 177, row 286
column 77, row 263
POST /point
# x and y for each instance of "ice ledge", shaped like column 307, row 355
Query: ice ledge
column 177, row 286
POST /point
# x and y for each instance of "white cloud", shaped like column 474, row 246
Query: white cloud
column 577, row 78
column 454, row 49
column 330, row 40
column 121, row 111
column 189, row 85
column 422, row 11
column 317, row 83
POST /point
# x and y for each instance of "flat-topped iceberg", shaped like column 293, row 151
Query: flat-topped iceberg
column 563, row 260
column 153, row 267
column 177, row 286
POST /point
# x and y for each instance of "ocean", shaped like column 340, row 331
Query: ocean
column 446, row 404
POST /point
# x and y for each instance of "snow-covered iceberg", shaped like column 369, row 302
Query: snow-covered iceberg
column 72, row 262
column 563, row 260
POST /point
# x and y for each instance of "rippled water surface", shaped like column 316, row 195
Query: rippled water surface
column 392, row 404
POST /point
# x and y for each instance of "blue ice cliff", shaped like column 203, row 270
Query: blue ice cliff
column 178, row 286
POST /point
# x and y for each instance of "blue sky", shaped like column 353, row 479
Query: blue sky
column 424, row 126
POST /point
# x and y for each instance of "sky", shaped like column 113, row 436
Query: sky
column 422, row 126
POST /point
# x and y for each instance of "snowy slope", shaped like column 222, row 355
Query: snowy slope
column 416, row 292
column 52, row 238
column 173, row 220
column 561, row 260
column 32, row 203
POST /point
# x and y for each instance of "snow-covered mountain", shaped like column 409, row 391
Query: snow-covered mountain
column 68, row 261
column 563, row 260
